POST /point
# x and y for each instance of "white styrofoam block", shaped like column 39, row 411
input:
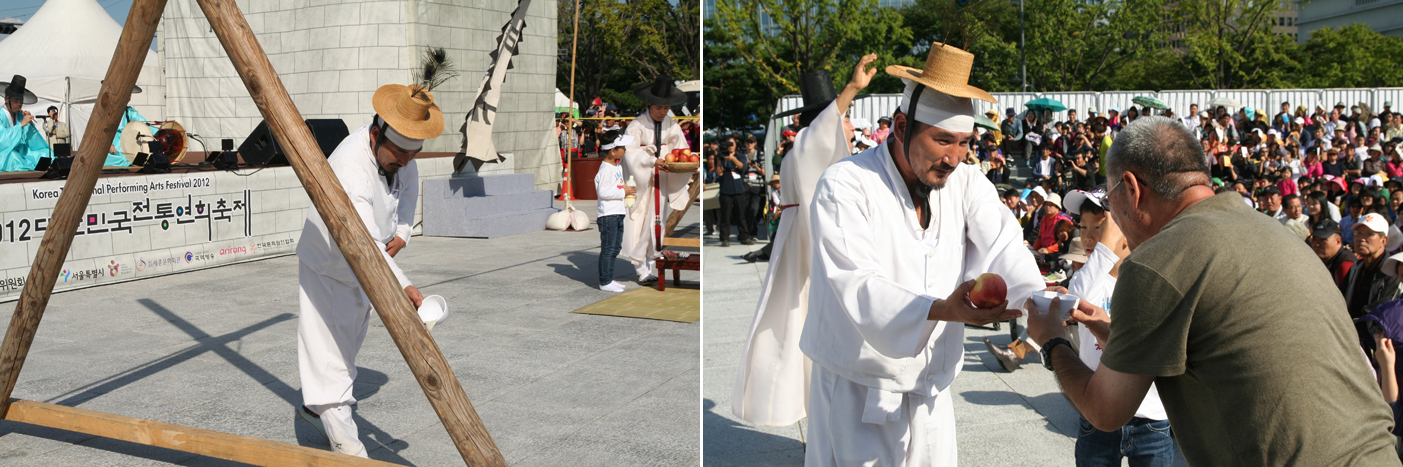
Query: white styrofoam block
column 357, row 81
column 380, row 12
column 307, row 103
column 380, row 57
column 296, row 40
column 273, row 200
column 341, row 59
column 343, row 14
column 328, row 37
column 340, row 103
column 287, row 221
column 310, row 17
column 390, row 35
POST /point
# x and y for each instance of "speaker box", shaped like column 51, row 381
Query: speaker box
column 261, row 148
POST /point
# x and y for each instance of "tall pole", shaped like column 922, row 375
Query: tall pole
column 112, row 100
column 569, row 188
column 1022, row 50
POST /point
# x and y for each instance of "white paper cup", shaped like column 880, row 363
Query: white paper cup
column 1042, row 299
column 433, row 311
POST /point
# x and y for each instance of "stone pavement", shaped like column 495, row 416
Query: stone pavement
column 217, row 349
column 1002, row 419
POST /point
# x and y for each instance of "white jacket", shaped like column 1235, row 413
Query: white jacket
column 388, row 212
column 876, row 272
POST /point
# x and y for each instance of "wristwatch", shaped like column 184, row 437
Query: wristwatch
column 1047, row 350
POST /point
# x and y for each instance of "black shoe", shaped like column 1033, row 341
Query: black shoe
column 749, row 257
column 725, row 242
column 650, row 280
column 748, row 241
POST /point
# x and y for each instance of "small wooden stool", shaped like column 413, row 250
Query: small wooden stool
column 690, row 262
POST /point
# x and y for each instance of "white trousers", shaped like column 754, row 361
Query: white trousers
column 332, row 326
column 920, row 432
column 644, row 268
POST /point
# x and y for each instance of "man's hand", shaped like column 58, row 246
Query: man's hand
column 28, row 117
column 862, row 76
column 957, row 308
column 1094, row 318
column 414, row 296
column 1042, row 327
column 394, row 246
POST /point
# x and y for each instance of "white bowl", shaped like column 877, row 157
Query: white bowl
column 433, row 311
column 1043, row 300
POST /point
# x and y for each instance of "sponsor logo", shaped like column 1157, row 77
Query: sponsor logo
column 189, row 257
column 64, row 274
column 112, row 268
column 140, row 265
column 236, row 250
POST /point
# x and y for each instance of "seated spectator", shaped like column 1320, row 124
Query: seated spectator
column 1295, row 219
column 1049, row 242
column 1367, row 285
column 1327, row 243
column 1269, row 202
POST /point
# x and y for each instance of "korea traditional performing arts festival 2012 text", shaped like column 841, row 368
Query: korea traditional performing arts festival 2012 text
column 157, row 226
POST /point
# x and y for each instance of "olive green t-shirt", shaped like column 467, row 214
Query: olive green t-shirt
column 1253, row 353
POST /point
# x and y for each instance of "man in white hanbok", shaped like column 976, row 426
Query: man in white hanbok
column 772, row 385
column 895, row 229
column 655, row 134
column 375, row 165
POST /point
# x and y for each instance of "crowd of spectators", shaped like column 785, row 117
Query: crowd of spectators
column 601, row 123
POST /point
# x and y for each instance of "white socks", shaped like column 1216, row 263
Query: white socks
column 614, row 286
column 341, row 429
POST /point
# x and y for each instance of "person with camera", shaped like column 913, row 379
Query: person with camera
column 734, row 196
column 754, row 187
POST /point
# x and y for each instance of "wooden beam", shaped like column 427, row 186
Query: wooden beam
column 694, row 187
column 112, row 101
column 682, row 242
column 425, row 359
column 181, row 438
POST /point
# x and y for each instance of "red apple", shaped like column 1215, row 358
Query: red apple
column 989, row 291
column 671, row 158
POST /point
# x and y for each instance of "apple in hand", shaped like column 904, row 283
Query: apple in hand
column 989, row 291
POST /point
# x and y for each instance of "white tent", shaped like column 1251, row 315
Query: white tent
column 63, row 52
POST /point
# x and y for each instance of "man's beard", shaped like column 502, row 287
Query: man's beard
column 940, row 185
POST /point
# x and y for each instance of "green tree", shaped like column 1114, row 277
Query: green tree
column 781, row 39
column 625, row 43
column 1077, row 45
column 1352, row 56
column 1231, row 44
column 981, row 28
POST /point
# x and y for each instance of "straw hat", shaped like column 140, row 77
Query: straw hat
column 410, row 110
column 947, row 70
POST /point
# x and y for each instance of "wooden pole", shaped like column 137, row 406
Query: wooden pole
column 570, row 154
column 425, row 359
column 63, row 224
column 236, row 448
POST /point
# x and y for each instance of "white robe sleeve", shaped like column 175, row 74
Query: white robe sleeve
column 360, row 199
column 890, row 317
column 408, row 202
column 994, row 242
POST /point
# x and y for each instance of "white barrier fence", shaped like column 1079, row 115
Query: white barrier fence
column 880, row 105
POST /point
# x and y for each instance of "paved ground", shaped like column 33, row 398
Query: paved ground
column 1003, row 419
column 216, row 349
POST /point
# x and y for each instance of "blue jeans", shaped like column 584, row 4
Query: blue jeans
column 611, row 237
column 1145, row 442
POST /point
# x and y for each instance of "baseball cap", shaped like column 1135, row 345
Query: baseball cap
column 621, row 141
column 1076, row 198
column 1325, row 228
column 787, row 133
column 1269, row 190
column 1373, row 221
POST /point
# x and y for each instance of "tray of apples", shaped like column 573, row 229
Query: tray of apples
column 681, row 161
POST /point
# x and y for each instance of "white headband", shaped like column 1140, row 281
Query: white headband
column 404, row 142
column 939, row 110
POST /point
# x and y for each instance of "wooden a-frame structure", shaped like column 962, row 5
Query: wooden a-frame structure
column 425, row 359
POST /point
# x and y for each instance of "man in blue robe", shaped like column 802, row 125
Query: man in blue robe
column 21, row 142
column 114, row 157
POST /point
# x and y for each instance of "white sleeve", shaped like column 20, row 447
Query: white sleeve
column 1097, row 268
column 408, row 202
column 361, row 201
column 890, row 317
column 994, row 241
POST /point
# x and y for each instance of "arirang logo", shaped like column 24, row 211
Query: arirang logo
column 140, row 265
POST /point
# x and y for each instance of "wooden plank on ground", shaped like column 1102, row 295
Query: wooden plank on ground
column 181, row 438
column 682, row 242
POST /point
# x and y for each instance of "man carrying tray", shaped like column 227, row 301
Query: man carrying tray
column 655, row 134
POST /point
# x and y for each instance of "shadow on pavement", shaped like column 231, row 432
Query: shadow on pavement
column 724, row 439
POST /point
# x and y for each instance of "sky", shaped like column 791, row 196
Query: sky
column 23, row 9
